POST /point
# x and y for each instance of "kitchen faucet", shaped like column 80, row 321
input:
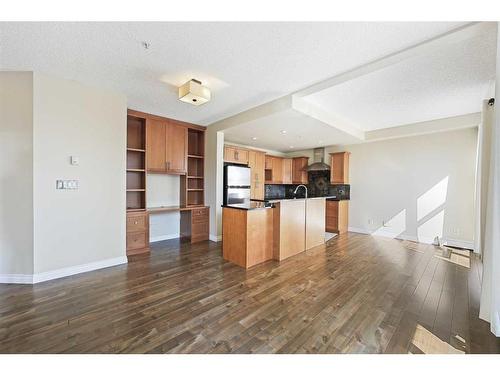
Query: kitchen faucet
column 297, row 188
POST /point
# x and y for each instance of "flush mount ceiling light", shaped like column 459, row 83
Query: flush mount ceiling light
column 283, row 132
column 194, row 93
column 254, row 138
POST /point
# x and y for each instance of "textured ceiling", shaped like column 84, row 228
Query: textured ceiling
column 449, row 82
column 245, row 64
column 302, row 132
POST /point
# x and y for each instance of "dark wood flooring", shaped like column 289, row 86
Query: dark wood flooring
column 358, row 294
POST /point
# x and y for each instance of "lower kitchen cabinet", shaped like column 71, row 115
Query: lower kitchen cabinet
column 337, row 216
column 137, row 232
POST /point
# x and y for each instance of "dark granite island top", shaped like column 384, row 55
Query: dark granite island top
column 252, row 205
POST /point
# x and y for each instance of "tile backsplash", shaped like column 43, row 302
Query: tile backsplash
column 318, row 186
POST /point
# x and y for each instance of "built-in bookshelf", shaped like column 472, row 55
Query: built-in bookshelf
column 192, row 184
column 136, row 163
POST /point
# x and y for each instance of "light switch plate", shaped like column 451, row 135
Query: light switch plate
column 75, row 160
column 67, row 184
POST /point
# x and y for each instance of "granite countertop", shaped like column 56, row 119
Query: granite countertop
column 327, row 197
column 252, row 205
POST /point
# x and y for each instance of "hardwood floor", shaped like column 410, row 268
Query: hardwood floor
column 358, row 294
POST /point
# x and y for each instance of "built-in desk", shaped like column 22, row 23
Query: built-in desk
column 153, row 210
column 194, row 220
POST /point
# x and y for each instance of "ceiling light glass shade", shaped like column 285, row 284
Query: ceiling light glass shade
column 194, row 93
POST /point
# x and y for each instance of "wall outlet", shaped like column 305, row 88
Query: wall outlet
column 67, row 184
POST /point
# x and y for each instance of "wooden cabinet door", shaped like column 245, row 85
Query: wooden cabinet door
column 155, row 146
column 277, row 174
column 251, row 164
column 299, row 170
column 176, row 148
column 256, row 164
column 235, row 155
column 273, row 169
column 229, row 154
column 343, row 219
column 259, row 175
column 331, row 216
column 242, row 156
column 339, row 173
column 287, row 171
column 337, row 216
column 268, row 162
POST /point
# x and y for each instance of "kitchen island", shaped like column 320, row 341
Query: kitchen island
column 253, row 233
column 247, row 232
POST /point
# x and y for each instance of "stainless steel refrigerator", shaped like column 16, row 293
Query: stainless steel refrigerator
column 236, row 184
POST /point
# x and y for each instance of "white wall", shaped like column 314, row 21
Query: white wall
column 425, row 184
column 163, row 190
column 16, row 173
column 77, row 227
column 214, row 164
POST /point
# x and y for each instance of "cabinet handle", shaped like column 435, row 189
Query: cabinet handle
column 168, row 165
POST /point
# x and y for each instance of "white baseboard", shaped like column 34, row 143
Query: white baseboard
column 469, row 245
column 495, row 324
column 215, row 238
column 16, row 278
column 164, row 237
column 68, row 271
column 62, row 272
column 358, row 230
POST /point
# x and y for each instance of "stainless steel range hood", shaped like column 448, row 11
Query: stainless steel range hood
column 319, row 161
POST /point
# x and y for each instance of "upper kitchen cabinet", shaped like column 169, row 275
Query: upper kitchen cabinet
column 339, row 173
column 235, row 155
column 177, row 147
column 274, row 170
column 256, row 162
column 299, row 170
column 166, row 147
column 156, row 145
column 287, row 171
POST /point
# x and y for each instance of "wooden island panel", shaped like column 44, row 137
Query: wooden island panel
column 248, row 236
column 289, row 237
column 315, row 222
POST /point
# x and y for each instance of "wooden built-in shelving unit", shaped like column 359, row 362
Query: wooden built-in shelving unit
column 136, row 163
column 192, row 185
column 137, row 216
column 161, row 145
